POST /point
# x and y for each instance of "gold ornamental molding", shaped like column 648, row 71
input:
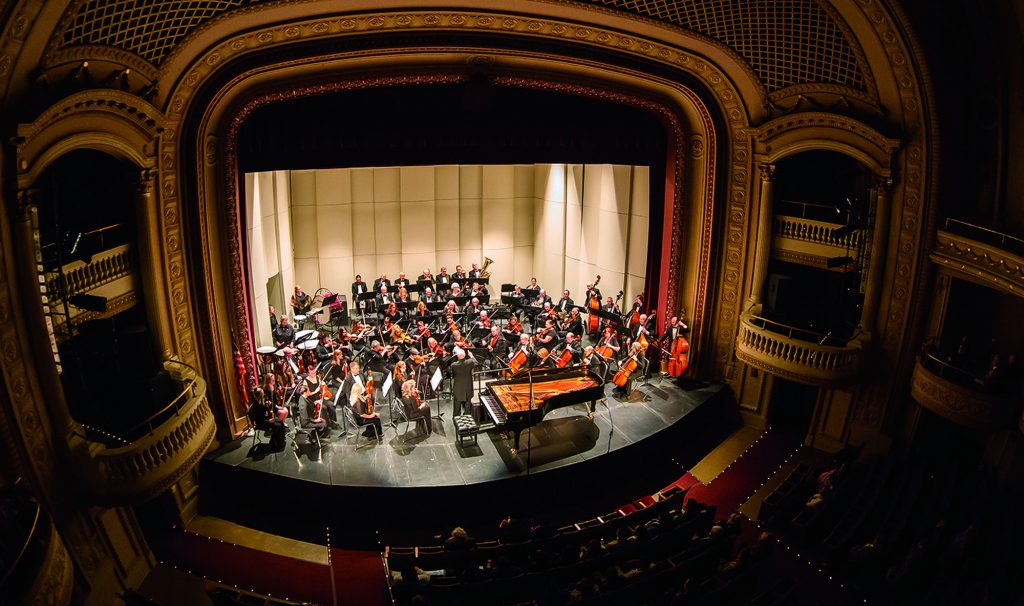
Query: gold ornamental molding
column 793, row 133
column 962, row 405
column 978, row 261
column 168, row 449
column 796, row 359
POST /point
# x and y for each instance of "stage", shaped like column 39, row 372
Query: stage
column 632, row 443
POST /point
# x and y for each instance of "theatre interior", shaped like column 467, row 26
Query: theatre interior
column 536, row 302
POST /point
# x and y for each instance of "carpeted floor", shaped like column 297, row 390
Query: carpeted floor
column 745, row 475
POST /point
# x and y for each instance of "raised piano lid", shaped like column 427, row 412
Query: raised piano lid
column 581, row 385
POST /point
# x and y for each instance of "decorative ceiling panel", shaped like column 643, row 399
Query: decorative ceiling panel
column 786, row 42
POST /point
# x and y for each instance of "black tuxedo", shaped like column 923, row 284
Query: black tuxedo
column 358, row 288
column 432, row 298
column 383, row 300
column 462, row 385
column 378, row 283
column 474, row 273
column 443, row 279
column 576, row 326
column 564, row 305
column 402, row 282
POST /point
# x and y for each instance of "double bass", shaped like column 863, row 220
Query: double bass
column 594, row 303
column 678, row 353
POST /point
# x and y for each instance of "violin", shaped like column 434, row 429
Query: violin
column 542, row 332
column 514, row 326
column 627, row 369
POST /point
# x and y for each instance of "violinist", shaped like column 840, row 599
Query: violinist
column 420, row 332
column 513, row 328
column 546, row 314
column 355, row 377
column 324, row 349
column 313, row 391
column 573, row 324
column 400, row 374
column 263, row 418
column 401, row 282
column 496, row 343
column 435, row 348
column 546, row 336
column 484, row 323
column 335, row 371
column 380, row 359
column 391, row 313
column 415, row 409
column 361, row 403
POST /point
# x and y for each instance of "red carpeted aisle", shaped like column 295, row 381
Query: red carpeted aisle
column 745, row 475
column 358, row 575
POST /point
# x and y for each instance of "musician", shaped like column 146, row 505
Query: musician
column 542, row 298
column 635, row 353
column 462, row 381
column 391, row 315
column 428, row 296
column 403, row 295
column 263, row 418
column 312, row 391
column 565, row 303
column 572, row 345
column 547, row 313
column 272, row 390
column 324, row 349
column 639, row 329
column 301, row 302
column 476, row 290
column 355, row 377
column 525, row 346
column 459, row 274
column 284, row 334
column 358, row 287
column 421, row 313
column 382, row 280
column 513, row 328
column 273, row 319
column 611, row 341
column 674, row 329
column 496, row 343
column 544, row 358
column 414, row 408
column 593, row 293
column 400, row 373
column 592, row 360
column 362, row 403
column 533, row 284
column 426, row 276
column 573, row 324
column 475, row 272
column 473, row 308
column 546, row 337
column 310, row 419
column 380, row 359
column 335, row 371
column 443, row 279
column 484, row 322
column 435, row 348
column 455, row 292
column 383, row 298
column 402, row 281
column 611, row 307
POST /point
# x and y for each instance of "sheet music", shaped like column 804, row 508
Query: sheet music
column 387, row 386
column 435, row 379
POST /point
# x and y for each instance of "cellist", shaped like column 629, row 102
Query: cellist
column 628, row 370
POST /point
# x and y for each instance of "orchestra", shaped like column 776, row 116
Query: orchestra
column 436, row 334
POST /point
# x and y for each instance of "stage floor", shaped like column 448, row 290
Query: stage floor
column 409, row 458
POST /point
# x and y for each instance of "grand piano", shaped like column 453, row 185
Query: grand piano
column 509, row 404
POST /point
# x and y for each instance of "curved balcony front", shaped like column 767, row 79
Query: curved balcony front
column 40, row 569
column 797, row 354
column 957, row 395
column 156, row 453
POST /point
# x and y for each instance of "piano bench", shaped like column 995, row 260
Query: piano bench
column 466, row 427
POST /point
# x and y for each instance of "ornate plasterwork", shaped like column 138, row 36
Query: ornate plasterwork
column 794, row 133
column 962, row 405
column 979, row 261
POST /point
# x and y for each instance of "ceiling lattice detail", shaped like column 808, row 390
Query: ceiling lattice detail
column 785, row 42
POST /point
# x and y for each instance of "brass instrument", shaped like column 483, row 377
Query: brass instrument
column 483, row 270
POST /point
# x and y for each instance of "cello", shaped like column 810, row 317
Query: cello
column 564, row 358
column 594, row 303
column 627, row 369
column 517, row 362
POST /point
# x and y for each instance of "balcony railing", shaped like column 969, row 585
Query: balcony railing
column 41, row 565
column 958, row 395
column 797, row 354
column 981, row 254
column 811, row 242
column 154, row 454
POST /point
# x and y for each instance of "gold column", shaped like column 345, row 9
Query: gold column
column 878, row 245
column 763, row 247
column 150, row 266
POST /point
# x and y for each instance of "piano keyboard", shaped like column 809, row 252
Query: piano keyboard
column 494, row 409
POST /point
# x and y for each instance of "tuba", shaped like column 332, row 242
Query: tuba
column 483, row 270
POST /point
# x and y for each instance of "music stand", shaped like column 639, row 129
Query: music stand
column 369, row 298
column 435, row 383
column 530, row 293
column 385, row 391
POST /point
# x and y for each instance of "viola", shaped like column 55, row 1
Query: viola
column 627, row 369
column 594, row 303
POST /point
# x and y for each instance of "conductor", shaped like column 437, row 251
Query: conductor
column 462, row 381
